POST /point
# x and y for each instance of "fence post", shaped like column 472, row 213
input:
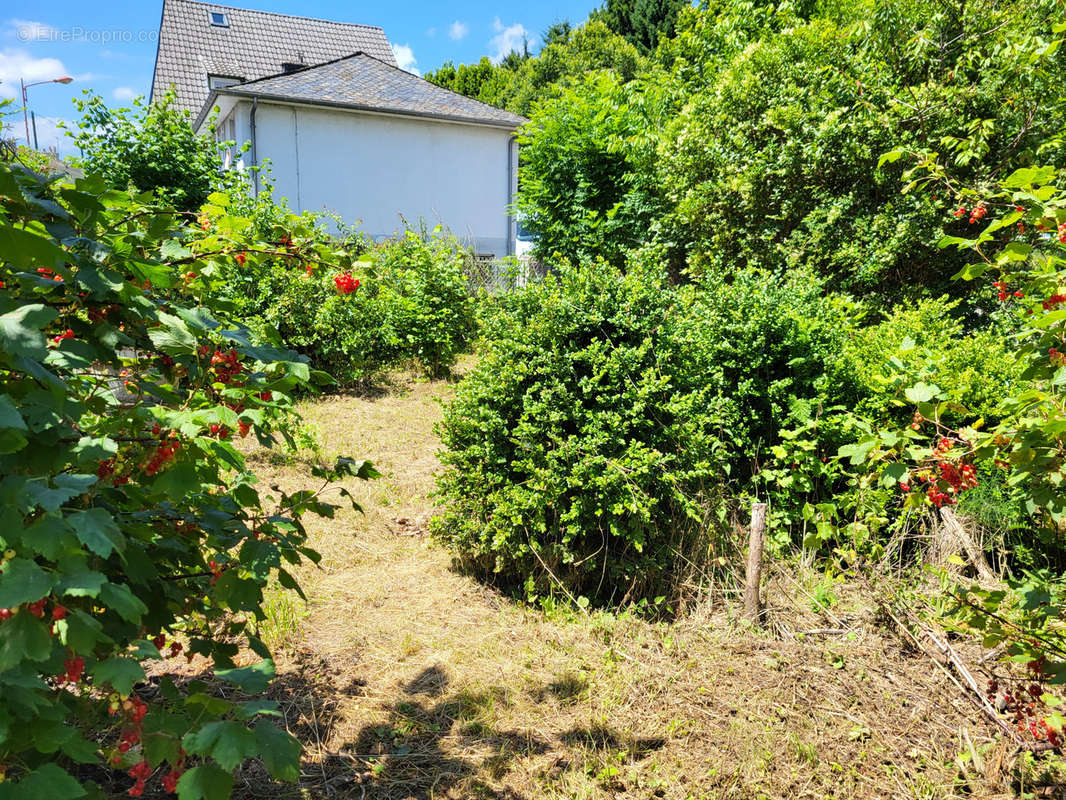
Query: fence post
column 753, row 574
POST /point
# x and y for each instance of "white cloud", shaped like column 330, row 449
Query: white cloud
column 506, row 39
column 26, row 30
column 457, row 30
column 18, row 64
column 49, row 134
column 124, row 93
column 405, row 57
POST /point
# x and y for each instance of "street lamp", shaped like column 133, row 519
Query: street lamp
column 26, row 101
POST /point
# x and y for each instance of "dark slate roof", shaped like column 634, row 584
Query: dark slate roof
column 362, row 82
column 256, row 44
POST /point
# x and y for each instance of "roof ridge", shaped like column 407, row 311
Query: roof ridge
column 438, row 86
column 384, row 64
column 305, row 68
column 278, row 14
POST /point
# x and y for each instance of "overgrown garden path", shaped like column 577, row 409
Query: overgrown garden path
column 405, row 679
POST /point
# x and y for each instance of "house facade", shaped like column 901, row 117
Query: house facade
column 338, row 126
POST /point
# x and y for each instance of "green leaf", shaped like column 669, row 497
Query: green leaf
column 921, row 392
column 206, row 782
column 253, row 679
column 857, row 452
column 80, row 749
column 970, row 271
column 98, row 531
column 161, row 747
column 22, row 581
column 80, row 581
column 50, row 535
column 121, row 673
column 20, row 330
column 1016, row 251
column 890, row 157
column 27, row 249
column 66, row 488
column 253, row 708
column 1029, row 176
column 174, row 337
column 80, row 632
column 23, row 637
column 47, row 782
column 226, row 741
column 280, row 751
column 118, row 597
column 892, row 474
column 173, row 250
column 215, row 706
column 11, row 426
column 96, row 449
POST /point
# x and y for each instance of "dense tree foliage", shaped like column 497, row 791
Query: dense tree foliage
column 517, row 87
column 788, row 133
column 752, row 138
column 150, row 148
column 640, row 22
column 587, row 170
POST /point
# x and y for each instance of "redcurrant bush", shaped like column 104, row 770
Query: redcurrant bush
column 131, row 530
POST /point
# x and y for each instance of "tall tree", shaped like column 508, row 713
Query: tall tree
column 558, row 33
column 640, row 22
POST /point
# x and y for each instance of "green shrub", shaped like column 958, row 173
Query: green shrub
column 151, row 147
column 925, row 341
column 582, row 448
column 132, row 528
column 412, row 305
column 344, row 335
column 426, row 302
column 770, row 347
column 586, row 179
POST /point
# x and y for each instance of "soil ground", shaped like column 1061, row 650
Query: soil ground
column 405, row 679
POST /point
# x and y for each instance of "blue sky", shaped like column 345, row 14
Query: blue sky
column 110, row 46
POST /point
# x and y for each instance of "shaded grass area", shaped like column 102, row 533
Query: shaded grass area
column 406, row 680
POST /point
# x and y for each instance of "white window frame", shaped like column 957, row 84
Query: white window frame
column 222, row 81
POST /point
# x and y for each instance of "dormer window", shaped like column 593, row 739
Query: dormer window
column 218, row 19
column 289, row 67
column 222, row 81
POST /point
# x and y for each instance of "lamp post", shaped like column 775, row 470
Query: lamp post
column 26, row 101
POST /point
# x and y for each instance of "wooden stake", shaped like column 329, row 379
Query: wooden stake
column 753, row 575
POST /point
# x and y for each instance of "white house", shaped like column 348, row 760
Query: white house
column 343, row 128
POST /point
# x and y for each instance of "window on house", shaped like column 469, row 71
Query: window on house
column 218, row 19
column 222, row 81
column 227, row 131
column 291, row 66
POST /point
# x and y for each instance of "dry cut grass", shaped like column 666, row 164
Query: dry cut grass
column 405, row 679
